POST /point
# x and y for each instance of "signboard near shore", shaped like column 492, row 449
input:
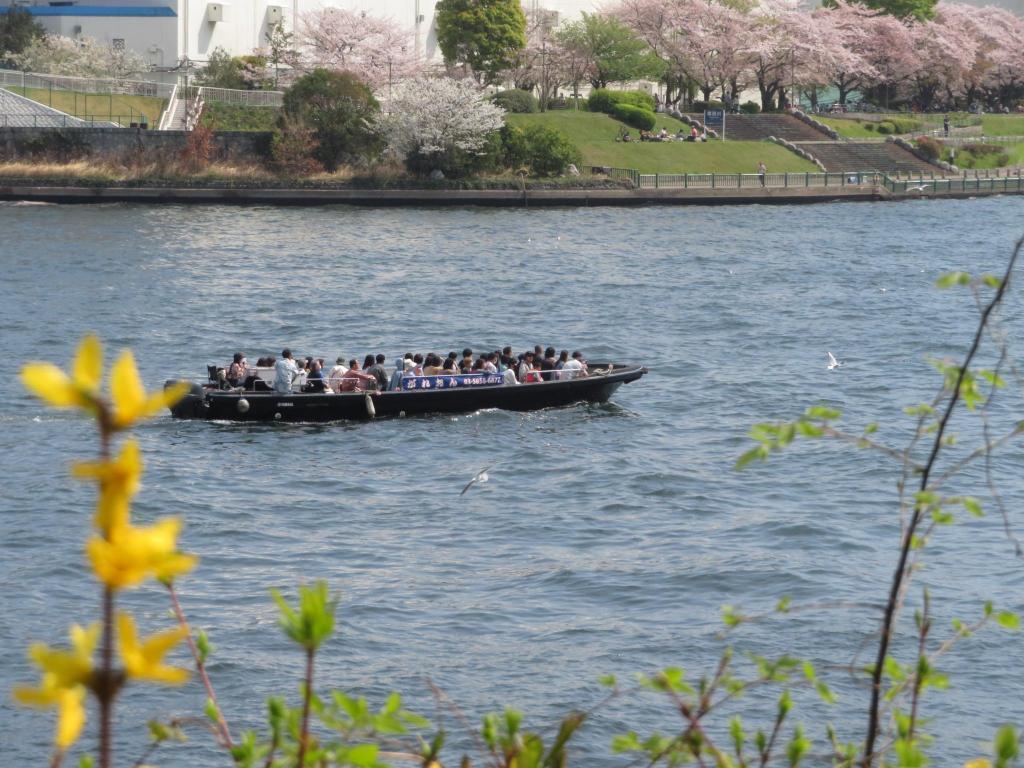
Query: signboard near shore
column 715, row 118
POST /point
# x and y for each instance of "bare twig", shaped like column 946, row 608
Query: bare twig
column 223, row 734
column 900, row 575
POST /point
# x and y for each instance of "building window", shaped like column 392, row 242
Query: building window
column 117, row 43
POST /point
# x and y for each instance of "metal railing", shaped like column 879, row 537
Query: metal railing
column 963, row 183
column 168, row 115
column 57, row 120
column 238, row 98
column 755, row 181
column 127, row 87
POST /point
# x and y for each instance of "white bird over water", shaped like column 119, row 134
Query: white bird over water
column 479, row 477
column 832, row 362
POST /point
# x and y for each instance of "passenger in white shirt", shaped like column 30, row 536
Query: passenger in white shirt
column 334, row 377
column 285, row 372
column 574, row 368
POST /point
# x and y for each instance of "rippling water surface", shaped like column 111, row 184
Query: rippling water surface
column 608, row 537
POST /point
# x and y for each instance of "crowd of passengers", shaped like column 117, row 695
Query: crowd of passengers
column 537, row 365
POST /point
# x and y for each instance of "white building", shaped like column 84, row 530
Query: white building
column 169, row 32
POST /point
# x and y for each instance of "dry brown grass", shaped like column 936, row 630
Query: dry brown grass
column 175, row 169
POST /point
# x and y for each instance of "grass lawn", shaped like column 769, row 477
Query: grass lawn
column 848, row 127
column 124, row 109
column 234, row 117
column 1003, row 125
column 595, row 134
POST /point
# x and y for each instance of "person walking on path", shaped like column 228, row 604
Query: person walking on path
column 762, row 169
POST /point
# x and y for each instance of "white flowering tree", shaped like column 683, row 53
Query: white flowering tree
column 437, row 120
column 58, row 55
column 377, row 50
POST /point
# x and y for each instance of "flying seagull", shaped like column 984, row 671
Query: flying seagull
column 832, row 362
column 479, row 477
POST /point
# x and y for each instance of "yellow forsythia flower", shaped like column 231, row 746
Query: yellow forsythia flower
column 119, row 482
column 131, row 403
column 65, row 674
column 80, row 390
column 132, row 554
column 979, row 762
column 145, row 661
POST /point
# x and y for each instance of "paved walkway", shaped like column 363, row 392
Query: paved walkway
column 18, row 112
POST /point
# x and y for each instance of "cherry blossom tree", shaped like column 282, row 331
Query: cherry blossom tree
column 999, row 70
column 433, row 116
column 376, row 50
column 536, row 66
column 889, row 50
column 946, row 49
column 847, row 27
column 87, row 57
column 702, row 41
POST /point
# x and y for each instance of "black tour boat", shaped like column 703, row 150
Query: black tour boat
column 420, row 395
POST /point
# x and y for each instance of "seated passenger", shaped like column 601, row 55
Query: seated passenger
column 238, row 371
column 547, row 364
column 432, row 365
column 395, row 383
column 575, row 368
column 315, row 378
column 448, row 367
column 355, row 380
column 417, row 360
column 337, row 372
column 490, row 364
column 466, row 364
column 525, row 366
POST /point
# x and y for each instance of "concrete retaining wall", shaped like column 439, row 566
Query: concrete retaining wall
column 63, row 143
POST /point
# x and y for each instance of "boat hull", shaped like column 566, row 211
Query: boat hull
column 216, row 405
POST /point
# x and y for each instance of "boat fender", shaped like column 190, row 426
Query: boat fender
column 277, row 416
column 401, row 414
column 371, row 410
column 242, row 405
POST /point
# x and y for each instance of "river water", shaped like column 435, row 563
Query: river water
column 608, row 537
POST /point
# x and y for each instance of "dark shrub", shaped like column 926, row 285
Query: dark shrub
column 750, row 107
column 700, row 106
column 634, row 116
column 516, row 100
column 604, row 100
column 869, row 126
column 340, row 109
column 548, row 152
column 458, row 163
column 929, row 147
column 885, row 127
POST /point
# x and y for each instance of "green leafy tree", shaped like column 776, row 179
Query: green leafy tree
column 919, row 10
column 341, row 111
column 486, row 35
column 612, row 52
column 18, row 28
column 222, row 71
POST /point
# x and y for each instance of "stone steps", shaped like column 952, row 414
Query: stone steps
column 838, row 156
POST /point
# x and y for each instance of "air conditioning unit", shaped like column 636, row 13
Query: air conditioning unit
column 76, row 30
column 216, row 12
column 420, row 18
column 275, row 15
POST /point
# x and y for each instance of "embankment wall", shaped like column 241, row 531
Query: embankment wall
column 67, row 143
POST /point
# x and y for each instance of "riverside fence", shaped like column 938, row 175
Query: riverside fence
column 126, row 87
